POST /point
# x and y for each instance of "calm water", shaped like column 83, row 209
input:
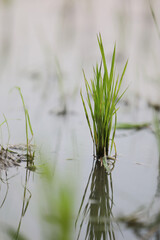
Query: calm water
column 36, row 37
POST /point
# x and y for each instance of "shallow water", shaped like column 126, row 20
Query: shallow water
column 134, row 178
column 34, row 36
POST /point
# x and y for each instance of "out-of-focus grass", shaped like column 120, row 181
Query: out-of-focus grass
column 157, row 130
column 154, row 19
column 56, row 206
column 129, row 126
column 7, row 2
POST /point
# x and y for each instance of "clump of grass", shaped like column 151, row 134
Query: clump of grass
column 104, row 88
column 27, row 121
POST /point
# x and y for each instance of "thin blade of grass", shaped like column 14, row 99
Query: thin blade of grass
column 29, row 123
column 86, row 115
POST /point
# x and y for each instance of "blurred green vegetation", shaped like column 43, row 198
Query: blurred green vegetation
column 56, row 205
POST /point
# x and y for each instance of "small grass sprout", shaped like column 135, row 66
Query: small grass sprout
column 104, row 88
column 5, row 121
column 27, row 121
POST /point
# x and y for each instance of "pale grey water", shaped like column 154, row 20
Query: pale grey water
column 32, row 35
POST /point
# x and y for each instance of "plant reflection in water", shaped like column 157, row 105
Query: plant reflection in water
column 26, row 199
column 4, row 182
column 16, row 233
column 97, row 211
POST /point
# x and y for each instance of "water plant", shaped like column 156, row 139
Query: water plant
column 27, row 121
column 104, row 88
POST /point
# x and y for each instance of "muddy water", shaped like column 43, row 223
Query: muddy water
column 34, row 35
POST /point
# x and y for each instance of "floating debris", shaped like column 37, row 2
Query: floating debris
column 8, row 159
column 14, row 155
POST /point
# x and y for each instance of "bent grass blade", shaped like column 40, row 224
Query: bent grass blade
column 27, row 121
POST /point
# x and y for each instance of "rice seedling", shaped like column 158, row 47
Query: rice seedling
column 27, row 121
column 104, row 88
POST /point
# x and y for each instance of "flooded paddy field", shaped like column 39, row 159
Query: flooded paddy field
column 54, row 189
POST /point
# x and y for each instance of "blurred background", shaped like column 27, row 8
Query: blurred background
column 44, row 45
column 35, row 35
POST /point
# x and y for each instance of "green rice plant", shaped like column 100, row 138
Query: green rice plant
column 104, row 88
column 27, row 121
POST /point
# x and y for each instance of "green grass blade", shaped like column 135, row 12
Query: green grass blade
column 2, row 123
column 86, row 115
column 114, row 131
column 103, row 55
column 29, row 122
column 9, row 135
